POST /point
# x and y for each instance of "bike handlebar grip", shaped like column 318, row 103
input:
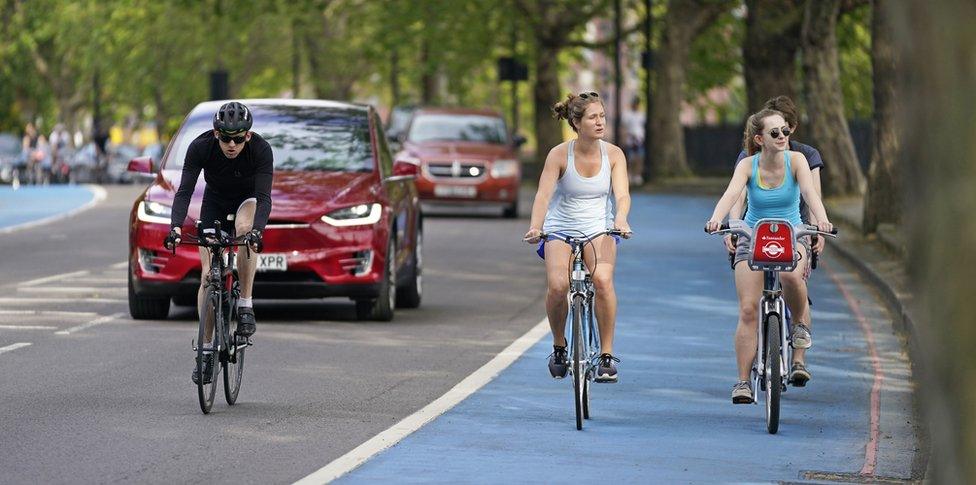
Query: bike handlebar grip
column 725, row 226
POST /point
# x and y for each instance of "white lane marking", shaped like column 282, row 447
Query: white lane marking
column 48, row 312
column 122, row 265
column 99, row 195
column 56, row 277
column 97, row 321
column 392, row 435
column 26, row 327
column 31, row 301
column 117, row 280
column 72, row 289
column 14, row 347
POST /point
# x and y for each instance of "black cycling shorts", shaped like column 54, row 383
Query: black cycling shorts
column 223, row 209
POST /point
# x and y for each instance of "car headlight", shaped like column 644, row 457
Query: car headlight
column 356, row 215
column 504, row 168
column 155, row 212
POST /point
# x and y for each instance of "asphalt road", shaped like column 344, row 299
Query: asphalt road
column 111, row 400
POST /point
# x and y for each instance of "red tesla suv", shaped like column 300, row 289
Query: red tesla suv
column 345, row 219
column 466, row 158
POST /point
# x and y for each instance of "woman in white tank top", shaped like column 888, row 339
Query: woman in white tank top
column 574, row 195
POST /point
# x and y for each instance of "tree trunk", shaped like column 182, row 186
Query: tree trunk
column 936, row 47
column 428, row 77
column 684, row 21
column 825, row 101
column 545, row 93
column 882, row 202
column 769, row 53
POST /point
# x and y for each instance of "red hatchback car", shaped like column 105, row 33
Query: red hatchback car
column 466, row 158
column 345, row 219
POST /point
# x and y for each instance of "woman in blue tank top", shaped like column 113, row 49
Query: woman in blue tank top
column 574, row 196
column 774, row 179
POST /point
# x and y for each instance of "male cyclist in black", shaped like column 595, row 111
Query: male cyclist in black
column 238, row 167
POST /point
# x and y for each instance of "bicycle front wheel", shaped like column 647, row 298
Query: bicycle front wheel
column 774, row 384
column 579, row 360
column 207, row 381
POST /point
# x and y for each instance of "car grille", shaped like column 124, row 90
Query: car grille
column 456, row 170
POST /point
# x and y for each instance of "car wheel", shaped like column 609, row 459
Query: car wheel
column 511, row 212
column 381, row 309
column 410, row 294
column 146, row 307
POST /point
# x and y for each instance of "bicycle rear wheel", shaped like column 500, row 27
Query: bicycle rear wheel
column 234, row 361
column 579, row 360
column 773, row 373
column 234, row 367
column 207, row 390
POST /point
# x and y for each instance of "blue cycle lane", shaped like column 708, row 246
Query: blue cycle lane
column 670, row 418
column 29, row 204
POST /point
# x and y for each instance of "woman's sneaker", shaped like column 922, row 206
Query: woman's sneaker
column 742, row 393
column 558, row 362
column 801, row 337
column 606, row 371
column 799, row 375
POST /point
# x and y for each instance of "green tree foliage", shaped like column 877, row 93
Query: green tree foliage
column 854, row 50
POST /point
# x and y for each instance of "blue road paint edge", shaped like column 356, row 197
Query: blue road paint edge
column 464, row 389
column 98, row 195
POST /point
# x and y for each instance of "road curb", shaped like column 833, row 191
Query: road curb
column 905, row 325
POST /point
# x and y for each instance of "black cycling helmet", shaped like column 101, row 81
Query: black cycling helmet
column 232, row 117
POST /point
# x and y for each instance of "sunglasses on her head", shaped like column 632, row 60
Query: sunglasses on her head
column 589, row 94
column 227, row 138
column 775, row 132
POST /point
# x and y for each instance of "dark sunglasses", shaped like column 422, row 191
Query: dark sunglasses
column 776, row 131
column 237, row 139
column 589, row 94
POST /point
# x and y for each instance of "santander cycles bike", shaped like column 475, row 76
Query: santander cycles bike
column 219, row 314
column 584, row 339
column 772, row 250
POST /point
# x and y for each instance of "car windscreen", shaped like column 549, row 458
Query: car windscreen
column 451, row 127
column 302, row 138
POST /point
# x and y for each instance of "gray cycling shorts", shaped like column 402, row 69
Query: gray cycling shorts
column 742, row 254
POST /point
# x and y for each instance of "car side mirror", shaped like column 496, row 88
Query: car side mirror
column 403, row 168
column 141, row 165
column 518, row 140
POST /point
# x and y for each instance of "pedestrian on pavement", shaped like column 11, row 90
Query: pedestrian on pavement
column 775, row 177
column 633, row 121
column 574, row 197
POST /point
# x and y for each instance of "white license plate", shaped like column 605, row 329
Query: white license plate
column 272, row 262
column 468, row 191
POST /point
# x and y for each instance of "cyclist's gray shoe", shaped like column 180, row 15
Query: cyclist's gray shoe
column 742, row 393
column 246, row 325
column 801, row 337
column 606, row 370
column 558, row 362
column 207, row 369
column 799, row 375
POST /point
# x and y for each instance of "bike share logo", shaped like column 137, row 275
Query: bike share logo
column 773, row 249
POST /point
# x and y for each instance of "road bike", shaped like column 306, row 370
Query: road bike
column 219, row 313
column 772, row 250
